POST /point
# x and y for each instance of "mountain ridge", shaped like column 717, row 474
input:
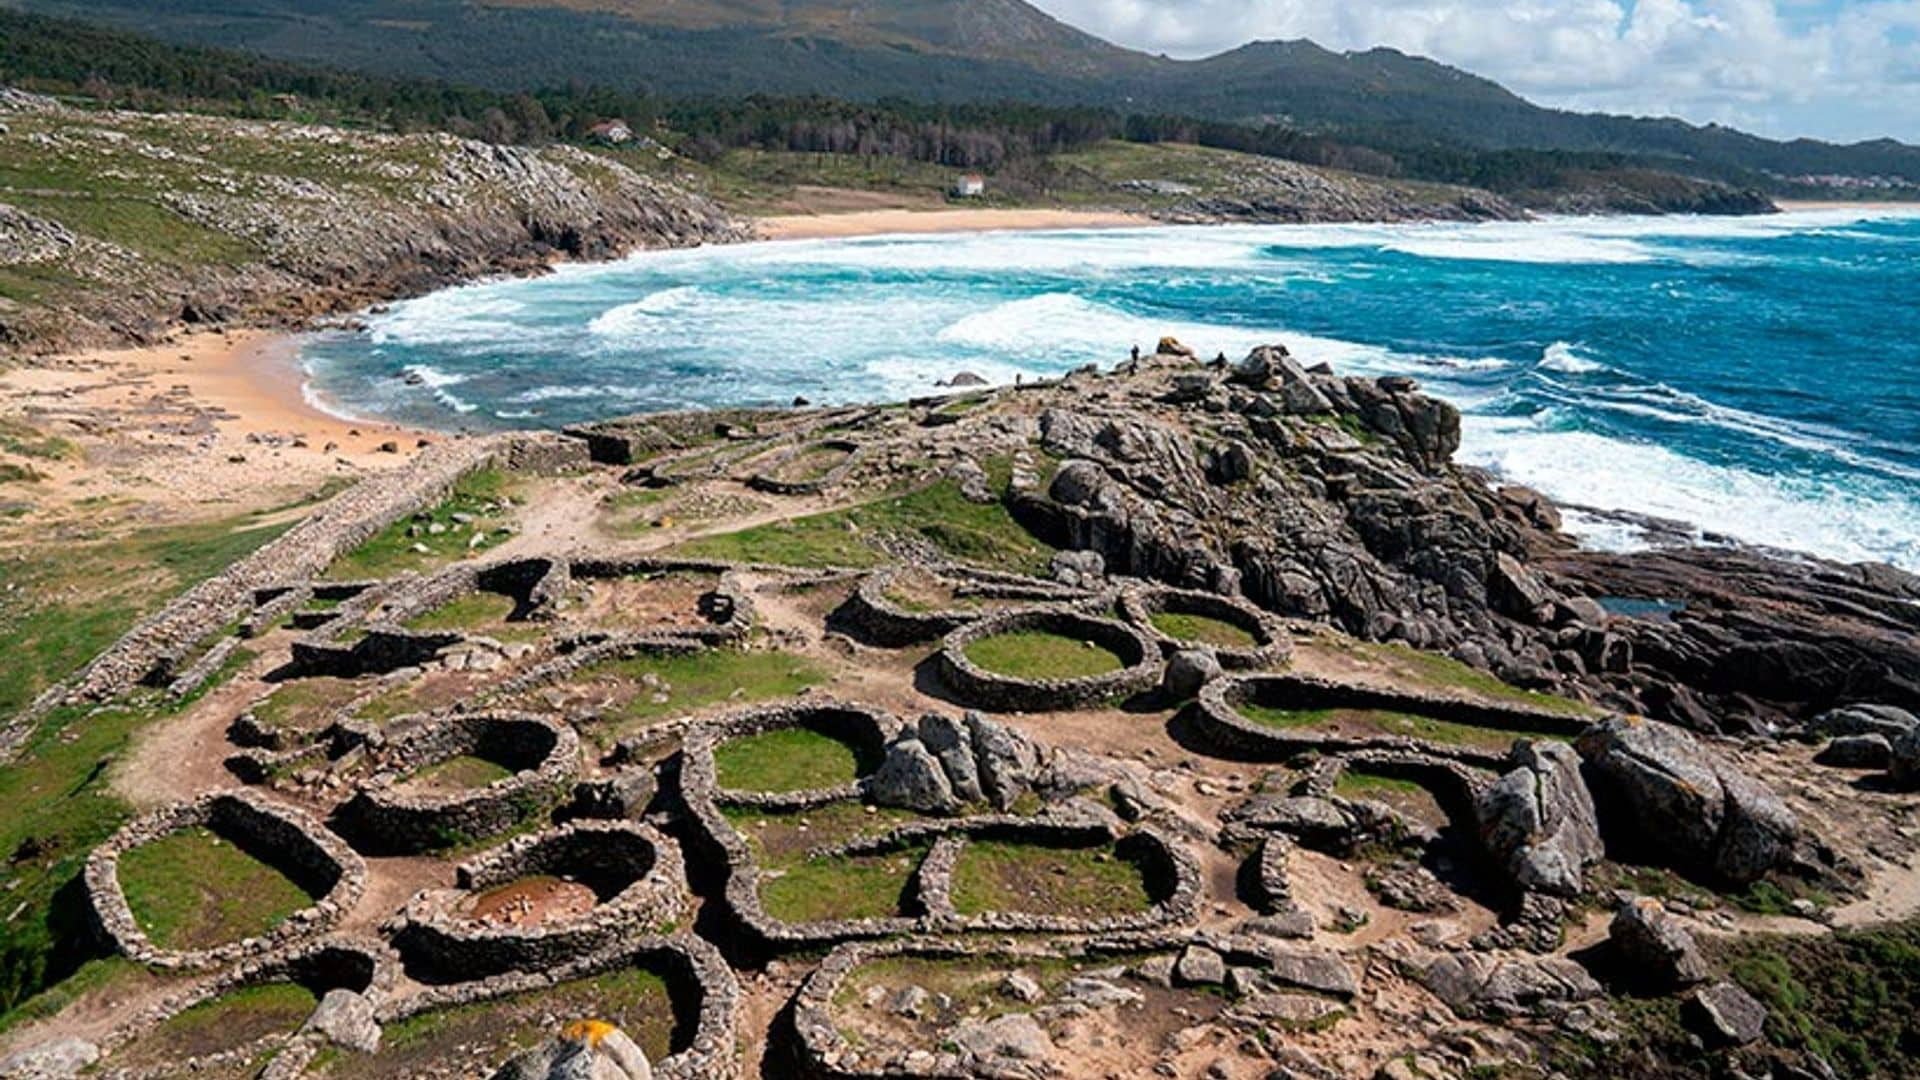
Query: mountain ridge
column 953, row 50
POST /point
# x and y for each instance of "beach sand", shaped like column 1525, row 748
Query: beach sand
column 881, row 222
column 199, row 427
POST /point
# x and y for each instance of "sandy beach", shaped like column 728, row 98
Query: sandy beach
column 206, row 423
column 881, row 222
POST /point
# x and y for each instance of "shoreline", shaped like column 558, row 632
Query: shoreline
column 215, row 418
column 1790, row 206
column 859, row 223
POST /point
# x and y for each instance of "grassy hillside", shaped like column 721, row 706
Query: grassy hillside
column 943, row 50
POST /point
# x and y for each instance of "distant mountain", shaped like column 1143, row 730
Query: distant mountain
column 945, row 50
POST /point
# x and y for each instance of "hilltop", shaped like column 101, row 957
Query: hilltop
column 958, row 51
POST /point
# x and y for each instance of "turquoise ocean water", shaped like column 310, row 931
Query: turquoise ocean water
column 1755, row 377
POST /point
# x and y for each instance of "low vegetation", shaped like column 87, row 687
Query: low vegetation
column 479, row 506
column 636, row 1000
column 937, row 516
column 1079, row 882
column 841, row 887
column 1366, row 723
column 1037, row 654
column 479, row 613
column 459, row 773
column 788, row 759
column 1202, row 630
column 700, row 679
column 230, row 1020
column 193, row 889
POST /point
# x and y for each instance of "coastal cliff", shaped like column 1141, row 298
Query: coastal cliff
column 117, row 227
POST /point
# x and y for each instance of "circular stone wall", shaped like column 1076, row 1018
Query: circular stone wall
column 979, row 688
column 387, row 817
column 1270, row 646
column 294, row 844
column 633, row 872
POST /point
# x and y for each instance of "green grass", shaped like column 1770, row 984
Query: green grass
column 844, row 887
column 306, row 703
column 936, row 515
column 11, row 473
column 1037, row 654
column 230, row 1020
column 449, row 1041
column 1203, row 630
column 789, row 759
column 193, row 890
column 1396, row 724
column 1360, row 785
column 461, row 772
column 1445, row 672
column 66, row 605
column 391, row 551
column 479, row 613
column 1029, row 878
column 17, row 438
column 708, row 677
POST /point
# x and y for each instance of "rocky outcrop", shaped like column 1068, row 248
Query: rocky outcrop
column 1651, row 950
column 586, row 1050
column 1539, row 820
column 1664, row 796
column 342, row 219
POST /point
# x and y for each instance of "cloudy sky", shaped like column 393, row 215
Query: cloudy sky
column 1837, row 69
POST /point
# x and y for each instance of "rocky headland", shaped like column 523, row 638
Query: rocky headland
column 1181, row 718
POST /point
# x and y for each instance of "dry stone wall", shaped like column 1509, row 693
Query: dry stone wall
column 978, row 688
column 284, row 837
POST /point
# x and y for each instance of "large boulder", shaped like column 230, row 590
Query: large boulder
column 1680, row 804
column 55, row 1059
column 1726, row 1015
column 910, row 778
column 1498, row 988
column 1885, row 721
column 951, row 744
column 1011, row 1045
column 1008, row 762
column 1651, row 949
column 347, row 1020
column 1516, row 592
column 1188, row 671
column 587, row 1050
column 1903, row 762
column 1539, row 822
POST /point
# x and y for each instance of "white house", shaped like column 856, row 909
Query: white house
column 970, row 186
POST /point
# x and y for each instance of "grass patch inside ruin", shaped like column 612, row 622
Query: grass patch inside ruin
column 193, row 889
column 937, row 515
column 841, row 887
column 478, row 613
column 306, row 703
column 484, row 497
column 700, row 679
column 785, row 760
column 449, row 1041
column 1202, row 630
column 1039, row 654
column 1380, row 723
column 228, row 1021
column 1034, row 879
column 463, row 772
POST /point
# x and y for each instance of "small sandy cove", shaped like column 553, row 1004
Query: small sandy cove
column 900, row 220
column 212, row 421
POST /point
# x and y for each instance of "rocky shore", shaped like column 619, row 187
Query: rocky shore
column 133, row 225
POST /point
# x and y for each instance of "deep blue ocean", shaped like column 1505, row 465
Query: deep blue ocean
column 1754, row 377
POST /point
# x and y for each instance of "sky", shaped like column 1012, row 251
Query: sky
column 1833, row 69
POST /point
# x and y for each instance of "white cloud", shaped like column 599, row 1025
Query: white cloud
column 1838, row 69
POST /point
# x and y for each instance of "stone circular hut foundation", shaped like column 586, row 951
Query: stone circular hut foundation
column 974, row 686
column 1217, row 716
column 1271, row 644
column 281, row 836
column 388, row 816
column 873, row 614
column 628, row 877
